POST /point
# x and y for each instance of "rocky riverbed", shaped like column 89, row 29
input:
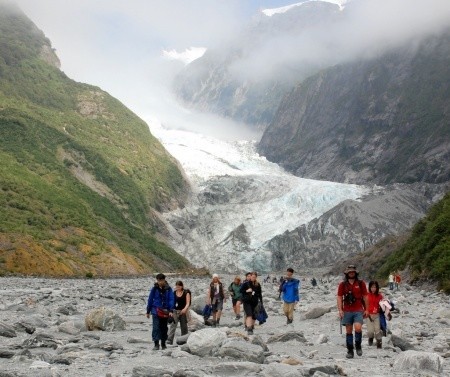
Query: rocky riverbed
column 43, row 332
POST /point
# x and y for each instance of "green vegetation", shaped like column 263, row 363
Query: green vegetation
column 427, row 251
column 81, row 177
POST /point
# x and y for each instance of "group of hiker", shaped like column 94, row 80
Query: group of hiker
column 356, row 304
column 394, row 280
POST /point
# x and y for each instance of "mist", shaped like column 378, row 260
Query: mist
column 128, row 48
column 362, row 29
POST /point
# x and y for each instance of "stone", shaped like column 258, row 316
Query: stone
column 417, row 362
column 104, row 319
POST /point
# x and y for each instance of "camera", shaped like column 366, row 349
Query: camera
column 349, row 298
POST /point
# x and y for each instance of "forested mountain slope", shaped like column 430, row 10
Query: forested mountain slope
column 81, row 177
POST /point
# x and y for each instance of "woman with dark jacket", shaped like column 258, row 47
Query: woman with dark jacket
column 251, row 296
column 160, row 304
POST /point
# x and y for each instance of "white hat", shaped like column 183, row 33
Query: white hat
column 215, row 276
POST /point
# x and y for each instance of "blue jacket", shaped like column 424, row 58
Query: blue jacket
column 289, row 289
column 160, row 298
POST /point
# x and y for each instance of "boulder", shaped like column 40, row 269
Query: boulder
column 206, row 342
column 418, row 361
column 104, row 319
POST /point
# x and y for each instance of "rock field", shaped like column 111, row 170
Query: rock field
column 43, row 332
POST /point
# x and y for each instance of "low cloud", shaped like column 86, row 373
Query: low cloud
column 363, row 29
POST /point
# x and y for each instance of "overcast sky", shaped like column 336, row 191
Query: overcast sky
column 119, row 45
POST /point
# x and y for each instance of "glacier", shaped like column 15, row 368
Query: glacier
column 239, row 201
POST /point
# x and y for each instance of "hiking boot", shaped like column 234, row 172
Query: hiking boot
column 289, row 321
column 350, row 354
column 379, row 344
column 250, row 331
column 358, row 350
column 370, row 341
column 238, row 317
column 156, row 347
column 163, row 345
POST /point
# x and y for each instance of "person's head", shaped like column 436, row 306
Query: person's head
column 248, row 275
column 289, row 273
column 215, row 278
column 351, row 272
column 253, row 276
column 161, row 279
column 374, row 287
column 179, row 285
column 237, row 280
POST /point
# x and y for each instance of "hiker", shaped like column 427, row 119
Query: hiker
column 274, row 280
column 314, row 282
column 216, row 298
column 251, row 295
column 289, row 290
column 373, row 319
column 391, row 281
column 236, row 296
column 180, row 314
column 397, row 280
column 351, row 303
column 160, row 304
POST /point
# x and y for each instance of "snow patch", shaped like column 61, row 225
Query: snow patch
column 187, row 56
column 271, row 12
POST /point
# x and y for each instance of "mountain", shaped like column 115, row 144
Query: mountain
column 353, row 226
column 83, row 181
column 236, row 81
column 381, row 120
column 423, row 253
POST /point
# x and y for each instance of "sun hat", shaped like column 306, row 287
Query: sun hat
column 351, row 268
column 215, row 276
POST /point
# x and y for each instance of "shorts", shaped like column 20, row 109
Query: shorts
column 352, row 317
column 234, row 301
column 217, row 306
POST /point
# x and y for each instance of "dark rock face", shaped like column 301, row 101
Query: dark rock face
column 381, row 121
column 351, row 227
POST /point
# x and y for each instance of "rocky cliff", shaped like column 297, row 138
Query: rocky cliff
column 383, row 120
column 352, row 227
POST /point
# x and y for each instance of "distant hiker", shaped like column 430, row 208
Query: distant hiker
column 397, row 280
column 251, row 295
column 352, row 304
column 289, row 290
column 373, row 319
column 391, row 281
column 274, row 280
column 161, row 304
column 267, row 279
column 314, row 282
column 236, row 296
column 180, row 314
column 216, row 297
column 280, row 286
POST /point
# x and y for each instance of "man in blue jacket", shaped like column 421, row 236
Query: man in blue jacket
column 289, row 291
column 161, row 303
